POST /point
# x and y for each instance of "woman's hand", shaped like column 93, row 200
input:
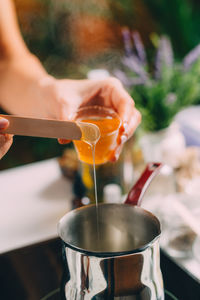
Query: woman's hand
column 73, row 94
column 5, row 139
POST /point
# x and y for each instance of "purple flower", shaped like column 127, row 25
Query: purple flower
column 139, row 47
column 127, row 41
column 191, row 57
column 133, row 63
column 164, row 56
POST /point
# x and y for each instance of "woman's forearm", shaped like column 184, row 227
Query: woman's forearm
column 11, row 42
column 19, row 69
column 19, row 82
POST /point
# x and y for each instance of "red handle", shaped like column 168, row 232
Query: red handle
column 137, row 192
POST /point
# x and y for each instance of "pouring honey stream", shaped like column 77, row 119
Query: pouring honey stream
column 91, row 135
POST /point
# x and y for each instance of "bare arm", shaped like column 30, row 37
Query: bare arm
column 11, row 42
column 20, row 71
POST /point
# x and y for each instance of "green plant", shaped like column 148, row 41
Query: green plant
column 162, row 88
column 178, row 19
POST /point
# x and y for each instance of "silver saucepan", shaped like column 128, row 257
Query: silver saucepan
column 113, row 252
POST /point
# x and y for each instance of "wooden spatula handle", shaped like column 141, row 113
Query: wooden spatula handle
column 42, row 128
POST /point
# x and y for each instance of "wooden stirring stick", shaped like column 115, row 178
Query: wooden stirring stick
column 42, row 128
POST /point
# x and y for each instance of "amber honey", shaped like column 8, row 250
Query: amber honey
column 108, row 127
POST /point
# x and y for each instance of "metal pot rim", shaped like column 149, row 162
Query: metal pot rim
column 111, row 254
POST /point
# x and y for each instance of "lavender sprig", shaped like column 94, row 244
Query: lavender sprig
column 191, row 57
column 127, row 41
column 135, row 65
column 164, row 56
column 139, row 47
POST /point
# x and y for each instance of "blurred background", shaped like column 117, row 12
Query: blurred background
column 153, row 47
column 144, row 43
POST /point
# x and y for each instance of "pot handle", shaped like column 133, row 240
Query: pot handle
column 137, row 192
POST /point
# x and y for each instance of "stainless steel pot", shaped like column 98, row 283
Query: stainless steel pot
column 113, row 252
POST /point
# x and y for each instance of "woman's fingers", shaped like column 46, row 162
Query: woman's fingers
column 63, row 141
column 124, row 105
column 5, row 143
column 5, row 139
column 4, row 123
column 126, row 133
column 117, row 97
column 131, row 125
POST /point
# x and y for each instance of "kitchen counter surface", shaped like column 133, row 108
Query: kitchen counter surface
column 33, row 199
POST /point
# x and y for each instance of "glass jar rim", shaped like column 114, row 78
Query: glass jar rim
column 99, row 108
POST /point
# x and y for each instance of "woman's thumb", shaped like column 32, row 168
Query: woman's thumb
column 4, row 123
column 5, row 143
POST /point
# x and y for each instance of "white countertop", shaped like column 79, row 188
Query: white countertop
column 33, row 199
